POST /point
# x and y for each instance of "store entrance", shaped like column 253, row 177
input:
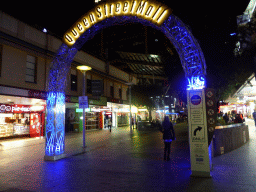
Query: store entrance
column 107, row 118
column 36, row 124
column 21, row 120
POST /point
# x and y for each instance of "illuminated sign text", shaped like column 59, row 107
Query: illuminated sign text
column 149, row 10
column 197, row 82
column 5, row 108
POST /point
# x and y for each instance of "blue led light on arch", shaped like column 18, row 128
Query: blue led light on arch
column 197, row 82
column 55, row 124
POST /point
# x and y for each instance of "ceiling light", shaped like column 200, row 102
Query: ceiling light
column 154, row 56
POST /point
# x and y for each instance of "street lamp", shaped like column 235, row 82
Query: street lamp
column 83, row 69
column 130, row 98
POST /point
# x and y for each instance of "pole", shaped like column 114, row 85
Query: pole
column 130, row 90
column 84, row 87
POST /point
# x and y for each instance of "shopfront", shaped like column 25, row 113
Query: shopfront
column 143, row 114
column 244, row 109
column 121, row 114
column 22, row 120
column 107, row 116
column 98, row 114
column 94, row 115
column 243, row 100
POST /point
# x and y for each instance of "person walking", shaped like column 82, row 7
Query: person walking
column 109, row 124
column 168, row 137
column 133, row 122
column 254, row 117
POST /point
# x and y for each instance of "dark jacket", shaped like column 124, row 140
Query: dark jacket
column 238, row 119
column 168, row 132
column 254, row 115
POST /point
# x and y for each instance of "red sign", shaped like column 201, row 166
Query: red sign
column 5, row 108
column 35, row 125
column 37, row 94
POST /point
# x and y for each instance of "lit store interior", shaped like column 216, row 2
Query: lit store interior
column 21, row 116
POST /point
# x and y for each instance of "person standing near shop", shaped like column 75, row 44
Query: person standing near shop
column 168, row 136
column 109, row 124
column 226, row 118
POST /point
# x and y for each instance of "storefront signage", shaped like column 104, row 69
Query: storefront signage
column 43, row 95
column 5, row 108
column 152, row 11
column 74, row 99
column 119, row 101
column 102, row 101
column 37, row 94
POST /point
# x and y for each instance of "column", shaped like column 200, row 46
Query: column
column 55, row 126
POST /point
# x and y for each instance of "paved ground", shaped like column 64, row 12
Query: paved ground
column 121, row 161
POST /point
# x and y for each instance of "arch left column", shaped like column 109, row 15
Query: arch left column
column 55, row 118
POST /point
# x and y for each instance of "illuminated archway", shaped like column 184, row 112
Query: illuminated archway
column 104, row 15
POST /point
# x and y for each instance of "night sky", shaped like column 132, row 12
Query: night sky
column 211, row 23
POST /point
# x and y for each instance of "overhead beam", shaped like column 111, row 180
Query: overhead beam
column 153, row 77
column 127, row 61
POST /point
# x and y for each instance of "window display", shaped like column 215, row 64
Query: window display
column 18, row 120
column 92, row 120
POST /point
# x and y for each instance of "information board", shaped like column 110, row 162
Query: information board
column 83, row 102
column 198, row 136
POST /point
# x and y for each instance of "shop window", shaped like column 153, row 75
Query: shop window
column 92, row 120
column 73, row 83
column 120, row 93
column 89, row 86
column 127, row 94
column 112, row 91
column 31, row 69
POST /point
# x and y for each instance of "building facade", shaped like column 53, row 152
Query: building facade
column 25, row 59
column 243, row 100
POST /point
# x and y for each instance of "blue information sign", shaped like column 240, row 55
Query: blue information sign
column 83, row 102
column 196, row 99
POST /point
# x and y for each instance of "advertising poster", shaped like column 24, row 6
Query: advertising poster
column 35, row 124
